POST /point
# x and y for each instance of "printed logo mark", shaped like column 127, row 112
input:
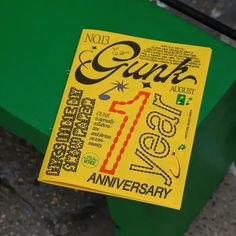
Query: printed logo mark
column 180, row 99
column 182, row 147
column 119, row 86
column 188, row 101
column 90, row 160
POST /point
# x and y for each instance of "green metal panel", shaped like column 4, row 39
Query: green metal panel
column 37, row 44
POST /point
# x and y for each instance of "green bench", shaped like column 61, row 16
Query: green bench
column 37, row 45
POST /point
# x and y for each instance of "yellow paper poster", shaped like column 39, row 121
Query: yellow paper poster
column 127, row 119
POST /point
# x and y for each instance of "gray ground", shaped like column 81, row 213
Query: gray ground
column 28, row 208
column 222, row 10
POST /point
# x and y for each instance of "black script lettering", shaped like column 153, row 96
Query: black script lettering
column 166, row 125
column 150, row 167
column 80, row 77
column 180, row 69
column 158, row 72
column 154, row 145
column 136, row 73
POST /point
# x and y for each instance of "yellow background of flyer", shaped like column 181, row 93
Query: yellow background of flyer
column 78, row 180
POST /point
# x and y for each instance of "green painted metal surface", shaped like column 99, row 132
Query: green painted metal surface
column 37, row 44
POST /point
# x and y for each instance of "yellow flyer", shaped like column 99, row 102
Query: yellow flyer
column 127, row 119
